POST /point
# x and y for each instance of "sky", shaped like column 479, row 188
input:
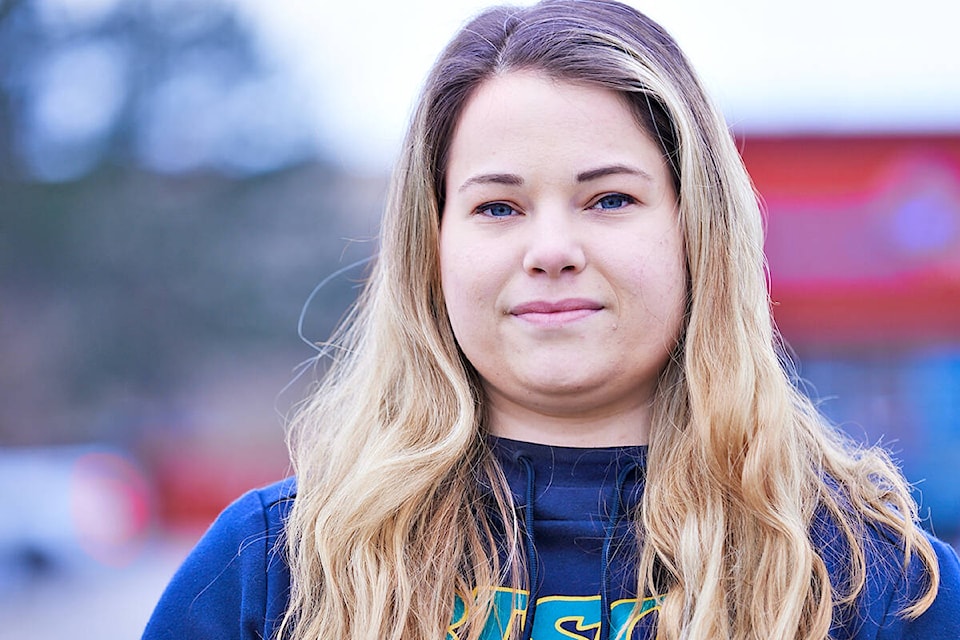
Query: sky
column 342, row 77
column 820, row 65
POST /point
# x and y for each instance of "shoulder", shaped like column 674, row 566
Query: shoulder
column 249, row 529
column 891, row 585
column 941, row 621
column 234, row 583
column 260, row 509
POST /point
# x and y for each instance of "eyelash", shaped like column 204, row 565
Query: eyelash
column 625, row 200
column 485, row 209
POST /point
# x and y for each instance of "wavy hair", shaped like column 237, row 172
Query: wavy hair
column 390, row 522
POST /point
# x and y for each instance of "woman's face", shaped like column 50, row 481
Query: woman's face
column 561, row 259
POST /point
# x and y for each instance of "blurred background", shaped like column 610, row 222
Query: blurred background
column 176, row 176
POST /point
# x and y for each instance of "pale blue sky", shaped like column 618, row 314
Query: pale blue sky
column 773, row 66
column 344, row 73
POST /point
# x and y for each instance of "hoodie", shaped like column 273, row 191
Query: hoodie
column 576, row 507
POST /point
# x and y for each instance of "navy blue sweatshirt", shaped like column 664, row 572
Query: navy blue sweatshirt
column 235, row 583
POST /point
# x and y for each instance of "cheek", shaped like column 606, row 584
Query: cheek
column 458, row 283
column 464, row 312
column 675, row 287
column 472, row 270
column 466, row 293
column 660, row 282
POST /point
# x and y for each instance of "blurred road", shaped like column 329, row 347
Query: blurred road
column 90, row 602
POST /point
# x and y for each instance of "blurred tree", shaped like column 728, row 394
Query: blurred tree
column 164, row 214
column 172, row 85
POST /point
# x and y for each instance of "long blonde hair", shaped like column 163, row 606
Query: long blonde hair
column 390, row 524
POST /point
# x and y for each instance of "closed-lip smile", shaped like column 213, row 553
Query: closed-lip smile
column 553, row 313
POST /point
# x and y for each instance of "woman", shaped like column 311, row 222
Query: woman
column 559, row 409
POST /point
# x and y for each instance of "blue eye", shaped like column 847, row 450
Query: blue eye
column 497, row 210
column 613, row 201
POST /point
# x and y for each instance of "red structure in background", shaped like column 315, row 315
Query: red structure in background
column 863, row 236
column 863, row 241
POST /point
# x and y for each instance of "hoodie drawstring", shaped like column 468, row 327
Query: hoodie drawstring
column 609, row 534
column 533, row 564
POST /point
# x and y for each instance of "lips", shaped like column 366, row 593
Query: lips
column 544, row 312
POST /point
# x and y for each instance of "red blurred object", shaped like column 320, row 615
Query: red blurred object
column 863, row 236
column 110, row 505
column 195, row 483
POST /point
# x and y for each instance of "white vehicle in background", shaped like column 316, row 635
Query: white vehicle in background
column 69, row 509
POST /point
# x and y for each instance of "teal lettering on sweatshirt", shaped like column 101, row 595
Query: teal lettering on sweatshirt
column 556, row 618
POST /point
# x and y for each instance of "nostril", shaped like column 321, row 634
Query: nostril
column 553, row 252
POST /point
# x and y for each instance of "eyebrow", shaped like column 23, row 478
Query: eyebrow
column 513, row 180
column 510, row 179
column 611, row 170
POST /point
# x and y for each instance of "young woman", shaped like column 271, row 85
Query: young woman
column 559, row 409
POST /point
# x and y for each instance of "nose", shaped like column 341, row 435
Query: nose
column 554, row 247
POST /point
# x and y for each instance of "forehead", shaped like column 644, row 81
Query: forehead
column 522, row 120
column 509, row 97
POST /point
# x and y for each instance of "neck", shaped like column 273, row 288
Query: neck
column 612, row 427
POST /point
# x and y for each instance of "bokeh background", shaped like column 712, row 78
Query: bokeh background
column 176, row 176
